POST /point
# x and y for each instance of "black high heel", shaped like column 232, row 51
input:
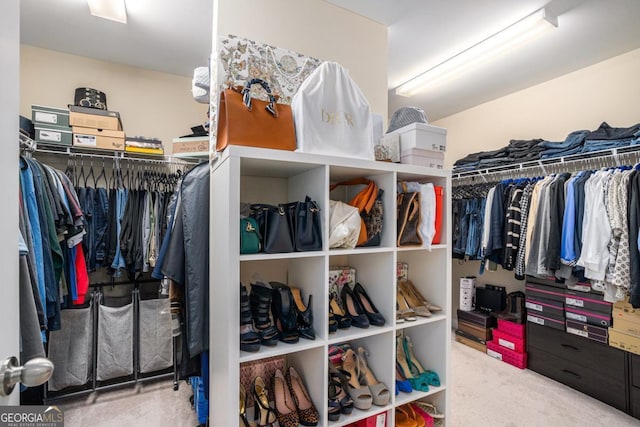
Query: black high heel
column 244, row 422
column 249, row 339
column 260, row 298
column 353, row 308
column 263, row 413
column 305, row 315
column 370, row 310
column 285, row 313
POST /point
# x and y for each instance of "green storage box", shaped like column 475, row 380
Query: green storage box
column 49, row 116
column 53, row 135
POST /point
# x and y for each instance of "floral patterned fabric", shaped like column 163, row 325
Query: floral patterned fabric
column 284, row 70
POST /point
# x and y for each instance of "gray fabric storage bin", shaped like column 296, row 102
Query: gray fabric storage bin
column 156, row 344
column 70, row 349
column 115, row 342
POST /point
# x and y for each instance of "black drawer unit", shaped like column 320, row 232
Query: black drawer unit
column 635, row 402
column 587, row 366
column 635, row 370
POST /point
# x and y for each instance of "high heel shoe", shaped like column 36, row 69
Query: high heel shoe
column 353, row 308
column 307, row 413
column 260, row 299
column 405, row 417
column 402, row 384
column 249, row 338
column 421, row 299
column 344, row 322
column 415, row 366
column 379, row 391
column 304, row 319
column 403, row 310
column 411, row 300
column 244, row 422
column 263, row 413
column 361, row 395
column 333, row 403
column 285, row 313
column 370, row 310
column 341, row 381
column 417, row 381
column 285, row 407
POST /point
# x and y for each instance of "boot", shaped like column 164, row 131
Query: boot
column 260, row 299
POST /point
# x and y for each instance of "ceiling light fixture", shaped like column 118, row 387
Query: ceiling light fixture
column 525, row 29
column 113, row 10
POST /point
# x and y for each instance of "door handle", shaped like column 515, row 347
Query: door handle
column 35, row 372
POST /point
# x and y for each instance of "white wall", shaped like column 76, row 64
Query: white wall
column 151, row 103
column 319, row 29
column 608, row 91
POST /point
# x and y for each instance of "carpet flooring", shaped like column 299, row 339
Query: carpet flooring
column 484, row 393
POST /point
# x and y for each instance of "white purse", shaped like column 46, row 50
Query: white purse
column 344, row 225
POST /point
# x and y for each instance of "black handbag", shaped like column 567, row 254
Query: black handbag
column 276, row 227
column 308, row 231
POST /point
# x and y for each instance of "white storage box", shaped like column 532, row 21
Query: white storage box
column 428, row 158
column 423, row 136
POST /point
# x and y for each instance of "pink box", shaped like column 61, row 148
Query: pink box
column 508, row 341
column 519, row 360
column 379, row 420
column 511, row 328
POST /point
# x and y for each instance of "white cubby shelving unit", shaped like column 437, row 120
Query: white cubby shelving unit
column 247, row 174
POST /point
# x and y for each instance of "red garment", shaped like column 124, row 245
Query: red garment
column 82, row 277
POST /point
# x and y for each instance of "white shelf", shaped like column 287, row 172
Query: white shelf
column 403, row 398
column 257, row 175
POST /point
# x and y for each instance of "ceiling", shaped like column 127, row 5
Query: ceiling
column 175, row 37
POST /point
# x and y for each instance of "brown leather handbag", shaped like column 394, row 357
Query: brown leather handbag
column 409, row 219
column 243, row 120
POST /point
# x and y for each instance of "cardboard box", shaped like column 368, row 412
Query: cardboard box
column 587, row 301
column 588, row 316
column 420, row 135
column 467, row 293
column 471, row 337
column 54, row 135
column 475, row 330
column 108, row 120
column 470, row 343
column 98, row 138
column 628, row 315
column 624, row 341
column 545, row 307
column 197, row 144
column 585, row 330
column 624, row 325
column 49, row 116
column 546, row 321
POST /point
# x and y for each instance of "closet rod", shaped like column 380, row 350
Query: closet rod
column 121, row 283
column 117, row 156
column 595, row 159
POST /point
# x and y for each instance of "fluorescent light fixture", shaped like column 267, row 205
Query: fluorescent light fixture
column 525, row 29
column 113, row 10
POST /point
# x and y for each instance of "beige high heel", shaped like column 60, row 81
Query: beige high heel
column 417, row 306
column 360, row 395
column 379, row 391
column 404, row 311
column 431, row 307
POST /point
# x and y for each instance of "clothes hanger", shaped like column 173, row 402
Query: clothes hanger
column 102, row 175
column 90, row 174
column 81, row 176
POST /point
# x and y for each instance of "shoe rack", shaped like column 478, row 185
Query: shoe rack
column 247, row 174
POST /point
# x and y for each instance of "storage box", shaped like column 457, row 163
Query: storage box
column 508, row 341
column 388, row 148
column 627, row 326
column 546, row 307
column 339, row 277
column 537, row 290
column 511, row 328
column 402, row 271
column 467, row 293
column 55, row 135
column 519, row 360
column 196, row 144
column 471, row 337
column 379, row 420
column 478, row 318
column 420, row 135
column 94, row 118
column 98, row 138
column 427, row 158
column 587, row 316
column 475, row 330
column 471, row 343
column 49, row 116
column 546, row 321
column 585, row 330
column 624, row 341
column 588, row 301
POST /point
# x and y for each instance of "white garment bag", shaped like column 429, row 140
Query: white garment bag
column 332, row 115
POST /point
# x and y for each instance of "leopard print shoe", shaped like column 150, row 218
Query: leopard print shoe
column 307, row 413
column 286, row 410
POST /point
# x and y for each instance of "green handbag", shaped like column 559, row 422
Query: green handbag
column 249, row 236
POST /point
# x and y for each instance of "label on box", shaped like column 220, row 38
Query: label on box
column 574, row 302
column 577, row 317
column 506, row 344
column 578, row 332
column 532, row 306
column 46, row 118
column 86, row 140
column 381, row 420
column 534, row 319
column 46, row 135
column 494, row 354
